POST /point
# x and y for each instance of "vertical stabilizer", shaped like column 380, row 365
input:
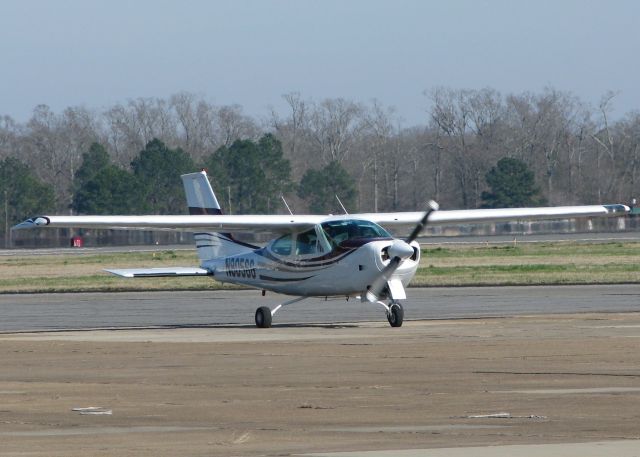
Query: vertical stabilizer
column 202, row 200
column 200, row 196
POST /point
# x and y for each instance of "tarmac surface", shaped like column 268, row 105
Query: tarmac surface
column 23, row 312
column 529, row 371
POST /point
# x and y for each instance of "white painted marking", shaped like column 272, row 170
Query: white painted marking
column 410, row 428
column 101, row 431
column 592, row 390
column 627, row 448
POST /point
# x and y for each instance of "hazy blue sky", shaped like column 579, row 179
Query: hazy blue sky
column 97, row 53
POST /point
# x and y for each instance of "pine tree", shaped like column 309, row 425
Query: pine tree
column 512, row 185
column 320, row 187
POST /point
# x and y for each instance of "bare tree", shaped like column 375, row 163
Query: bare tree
column 131, row 127
column 199, row 133
column 233, row 125
column 379, row 130
column 54, row 143
column 293, row 133
column 467, row 125
column 606, row 149
column 10, row 134
column 334, row 126
column 547, row 132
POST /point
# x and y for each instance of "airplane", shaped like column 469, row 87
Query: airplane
column 348, row 255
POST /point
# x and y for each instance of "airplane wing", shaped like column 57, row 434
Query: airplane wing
column 287, row 223
column 191, row 223
column 159, row 272
column 469, row 216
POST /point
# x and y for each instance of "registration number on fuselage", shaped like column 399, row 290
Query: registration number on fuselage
column 240, row 267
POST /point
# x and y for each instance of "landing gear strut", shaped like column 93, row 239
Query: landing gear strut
column 395, row 312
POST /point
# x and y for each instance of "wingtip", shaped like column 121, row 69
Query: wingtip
column 617, row 209
column 34, row 222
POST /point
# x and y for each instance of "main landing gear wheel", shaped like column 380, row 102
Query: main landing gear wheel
column 263, row 317
column 395, row 315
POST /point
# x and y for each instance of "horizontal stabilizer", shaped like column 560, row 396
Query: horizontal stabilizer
column 160, row 272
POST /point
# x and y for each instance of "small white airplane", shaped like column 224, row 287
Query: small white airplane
column 314, row 255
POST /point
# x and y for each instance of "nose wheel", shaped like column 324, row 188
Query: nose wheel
column 395, row 315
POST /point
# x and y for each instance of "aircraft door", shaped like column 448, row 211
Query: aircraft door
column 310, row 243
column 304, row 245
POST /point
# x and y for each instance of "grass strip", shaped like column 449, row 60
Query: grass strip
column 453, row 265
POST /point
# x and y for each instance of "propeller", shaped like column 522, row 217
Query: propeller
column 398, row 251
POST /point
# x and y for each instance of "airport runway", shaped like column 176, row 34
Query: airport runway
column 552, row 386
column 558, row 378
column 24, row 312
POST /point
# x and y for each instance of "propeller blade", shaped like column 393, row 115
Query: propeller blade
column 399, row 251
column 433, row 206
column 373, row 294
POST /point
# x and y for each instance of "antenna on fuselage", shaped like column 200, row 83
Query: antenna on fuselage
column 286, row 204
column 343, row 208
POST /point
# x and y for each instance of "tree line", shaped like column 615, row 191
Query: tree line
column 314, row 151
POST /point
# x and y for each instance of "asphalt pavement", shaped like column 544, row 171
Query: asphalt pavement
column 23, row 312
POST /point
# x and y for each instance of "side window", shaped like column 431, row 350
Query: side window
column 307, row 243
column 282, row 245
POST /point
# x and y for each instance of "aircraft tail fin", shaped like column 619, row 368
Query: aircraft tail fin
column 202, row 200
column 200, row 196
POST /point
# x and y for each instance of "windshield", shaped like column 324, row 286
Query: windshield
column 339, row 231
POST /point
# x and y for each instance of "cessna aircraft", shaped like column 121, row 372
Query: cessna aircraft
column 349, row 255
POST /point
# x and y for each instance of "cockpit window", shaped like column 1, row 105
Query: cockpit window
column 282, row 245
column 339, row 231
column 318, row 240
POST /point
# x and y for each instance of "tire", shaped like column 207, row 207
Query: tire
column 263, row 317
column 395, row 316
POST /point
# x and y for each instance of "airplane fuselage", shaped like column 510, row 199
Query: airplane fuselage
column 345, row 270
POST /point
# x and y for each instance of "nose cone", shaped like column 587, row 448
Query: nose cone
column 400, row 249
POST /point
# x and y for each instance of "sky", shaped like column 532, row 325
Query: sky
column 96, row 53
